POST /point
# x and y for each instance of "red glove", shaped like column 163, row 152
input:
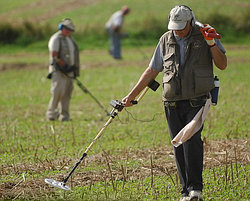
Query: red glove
column 209, row 34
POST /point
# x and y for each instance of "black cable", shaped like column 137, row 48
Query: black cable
column 140, row 120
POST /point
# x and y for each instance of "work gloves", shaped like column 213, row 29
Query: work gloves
column 209, row 34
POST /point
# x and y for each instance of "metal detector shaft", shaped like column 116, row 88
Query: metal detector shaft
column 151, row 85
column 142, row 94
column 84, row 89
column 113, row 114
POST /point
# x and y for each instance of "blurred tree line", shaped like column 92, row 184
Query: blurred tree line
column 148, row 30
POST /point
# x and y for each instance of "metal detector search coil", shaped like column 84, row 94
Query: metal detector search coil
column 57, row 184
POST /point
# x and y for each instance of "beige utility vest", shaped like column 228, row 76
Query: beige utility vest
column 195, row 77
column 64, row 52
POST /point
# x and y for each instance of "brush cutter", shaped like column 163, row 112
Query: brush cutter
column 117, row 107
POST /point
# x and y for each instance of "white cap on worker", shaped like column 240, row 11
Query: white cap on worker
column 178, row 18
column 68, row 24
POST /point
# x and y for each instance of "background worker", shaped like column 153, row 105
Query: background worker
column 185, row 55
column 64, row 66
column 114, row 29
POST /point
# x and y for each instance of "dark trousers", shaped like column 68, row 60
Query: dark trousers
column 189, row 155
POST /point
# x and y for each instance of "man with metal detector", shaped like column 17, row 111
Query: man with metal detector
column 185, row 54
column 64, row 65
column 114, row 29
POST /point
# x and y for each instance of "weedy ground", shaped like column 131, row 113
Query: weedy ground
column 133, row 160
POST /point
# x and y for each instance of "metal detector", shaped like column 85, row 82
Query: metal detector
column 117, row 107
column 85, row 90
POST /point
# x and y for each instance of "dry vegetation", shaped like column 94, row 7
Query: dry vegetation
column 217, row 154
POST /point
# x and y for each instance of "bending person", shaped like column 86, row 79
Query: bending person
column 114, row 29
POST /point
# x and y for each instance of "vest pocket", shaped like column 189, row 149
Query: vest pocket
column 168, row 62
column 203, row 81
column 171, row 85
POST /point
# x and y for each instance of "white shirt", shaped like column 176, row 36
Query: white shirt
column 115, row 20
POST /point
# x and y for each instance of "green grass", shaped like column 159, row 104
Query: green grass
column 86, row 14
column 29, row 149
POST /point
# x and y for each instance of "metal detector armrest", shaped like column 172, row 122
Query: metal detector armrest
column 153, row 85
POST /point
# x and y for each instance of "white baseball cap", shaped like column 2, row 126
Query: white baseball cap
column 68, row 24
column 178, row 18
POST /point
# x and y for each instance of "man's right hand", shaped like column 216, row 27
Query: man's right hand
column 127, row 101
column 117, row 29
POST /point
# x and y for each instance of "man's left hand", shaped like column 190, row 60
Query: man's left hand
column 208, row 29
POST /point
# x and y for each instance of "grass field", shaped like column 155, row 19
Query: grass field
column 32, row 148
column 133, row 160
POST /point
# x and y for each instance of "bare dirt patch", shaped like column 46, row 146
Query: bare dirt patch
column 217, row 154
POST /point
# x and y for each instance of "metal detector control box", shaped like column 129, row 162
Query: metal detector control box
column 117, row 105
